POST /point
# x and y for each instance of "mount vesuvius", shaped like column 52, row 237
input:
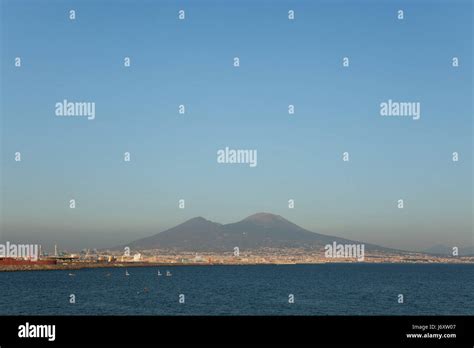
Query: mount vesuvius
column 261, row 230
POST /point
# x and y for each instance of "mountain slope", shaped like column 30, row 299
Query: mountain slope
column 196, row 231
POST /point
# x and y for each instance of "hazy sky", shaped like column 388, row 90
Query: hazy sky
column 190, row 62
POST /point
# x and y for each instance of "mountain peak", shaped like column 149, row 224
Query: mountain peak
column 198, row 220
column 264, row 218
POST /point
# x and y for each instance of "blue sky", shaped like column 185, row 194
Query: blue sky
column 282, row 62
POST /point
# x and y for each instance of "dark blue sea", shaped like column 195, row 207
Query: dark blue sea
column 329, row 289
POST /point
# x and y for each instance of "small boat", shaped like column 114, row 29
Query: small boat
column 71, row 274
column 168, row 273
column 126, row 273
column 159, row 274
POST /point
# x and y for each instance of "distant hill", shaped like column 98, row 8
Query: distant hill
column 443, row 250
column 256, row 231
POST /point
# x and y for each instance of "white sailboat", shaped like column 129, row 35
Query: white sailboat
column 168, row 273
column 126, row 273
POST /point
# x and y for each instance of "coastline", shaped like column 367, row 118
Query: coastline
column 85, row 265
